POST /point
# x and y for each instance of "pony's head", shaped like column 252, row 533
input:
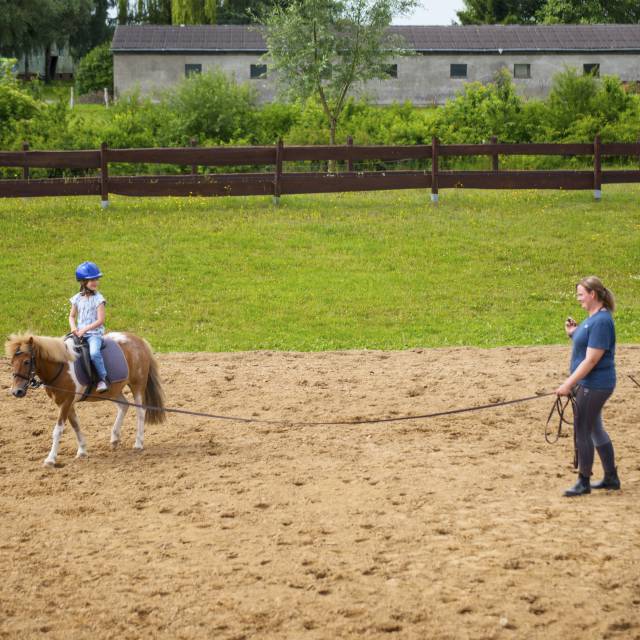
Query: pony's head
column 25, row 351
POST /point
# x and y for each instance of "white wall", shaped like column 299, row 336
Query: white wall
column 151, row 72
column 422, row 79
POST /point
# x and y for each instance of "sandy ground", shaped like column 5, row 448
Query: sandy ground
column 444, row 528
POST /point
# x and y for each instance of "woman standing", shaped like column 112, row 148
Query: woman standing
column 592, row 380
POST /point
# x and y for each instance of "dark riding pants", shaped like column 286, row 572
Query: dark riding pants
column 589, row 430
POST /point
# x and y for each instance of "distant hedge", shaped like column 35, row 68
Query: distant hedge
column 218, row 111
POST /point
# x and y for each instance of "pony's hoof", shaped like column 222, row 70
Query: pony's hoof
column 49, row 464
column 81, row 455
column 137, row 449
column 115, row 444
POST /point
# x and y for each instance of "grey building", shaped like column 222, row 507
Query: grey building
column 61, row 64
column 149, row 57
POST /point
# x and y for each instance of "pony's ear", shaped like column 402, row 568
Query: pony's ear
column 30, row 339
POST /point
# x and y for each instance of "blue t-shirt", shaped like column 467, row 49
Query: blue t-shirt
column 597, row 332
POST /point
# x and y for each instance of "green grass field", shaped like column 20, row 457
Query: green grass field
column 384, row 270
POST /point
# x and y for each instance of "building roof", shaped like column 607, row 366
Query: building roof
column 428, row 39
column 204, row 38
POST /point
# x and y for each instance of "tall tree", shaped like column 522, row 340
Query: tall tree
column 158, row 11
column 323, row 47
column 98, row 30
column 28, row 25
column 123, row 12
column 590, row 12
column 17, row 35
column 500, row 11
column 193, row 11
column 246, row 11
column 143, row 11
column 62, row 22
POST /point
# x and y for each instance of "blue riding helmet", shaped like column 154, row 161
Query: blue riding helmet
column 88, row 271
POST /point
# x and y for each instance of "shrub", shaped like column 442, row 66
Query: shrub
column 572, row 97
column 611, row 100
column 15, row 104
column 95, row 70
column 481, row 111
column 211, row 107
column 7, row 70
column 273, row 121
column 365, row 123
column 49, row 130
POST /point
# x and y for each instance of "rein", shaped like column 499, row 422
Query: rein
column 304, row 424
column 559, row 407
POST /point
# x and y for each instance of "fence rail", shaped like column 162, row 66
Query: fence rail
column 279, row 182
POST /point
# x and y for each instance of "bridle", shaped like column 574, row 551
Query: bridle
column 31, row 378
column 32, row 382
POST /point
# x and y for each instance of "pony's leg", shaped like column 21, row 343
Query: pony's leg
column 140, row 411
column 122, row 411
column 58, row 428
column 82, row 443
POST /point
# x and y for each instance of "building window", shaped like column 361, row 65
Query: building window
column 258, row 71
column 591, row 69
column 458, row 71
column 521, row 70
column 190, row 69
column 390, row 70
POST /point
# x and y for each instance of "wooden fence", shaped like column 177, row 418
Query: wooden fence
column 277, row 182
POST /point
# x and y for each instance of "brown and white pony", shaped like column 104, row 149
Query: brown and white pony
column 51, row 359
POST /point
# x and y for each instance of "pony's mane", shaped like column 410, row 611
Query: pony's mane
column 52, row 349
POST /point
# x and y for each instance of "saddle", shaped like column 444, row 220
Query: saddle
column 114, row 362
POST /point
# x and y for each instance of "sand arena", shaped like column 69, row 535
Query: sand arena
column 446, row 528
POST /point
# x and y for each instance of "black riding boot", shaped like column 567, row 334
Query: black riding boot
column 581, row 488
column 610, row 481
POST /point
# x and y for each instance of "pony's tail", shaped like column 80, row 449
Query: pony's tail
column 154, row 395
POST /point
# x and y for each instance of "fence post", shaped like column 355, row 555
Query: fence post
column 494, row 155
column 434, row 169
column 194, row 167
column 597, row 169
column 278, row 172
column 349, row 153
column 104, row 176
column 25, row 166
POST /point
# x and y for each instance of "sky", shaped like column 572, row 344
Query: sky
column 433, row 12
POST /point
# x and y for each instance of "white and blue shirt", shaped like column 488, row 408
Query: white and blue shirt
column 87, row 307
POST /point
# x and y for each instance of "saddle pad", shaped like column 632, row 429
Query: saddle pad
column 114, row 361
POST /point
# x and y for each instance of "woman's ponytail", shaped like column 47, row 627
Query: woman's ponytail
column 593, row 283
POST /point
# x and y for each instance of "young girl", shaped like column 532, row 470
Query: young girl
column 86, row 317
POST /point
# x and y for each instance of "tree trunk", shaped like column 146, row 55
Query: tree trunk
column 47, row 63
column 332, row 140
